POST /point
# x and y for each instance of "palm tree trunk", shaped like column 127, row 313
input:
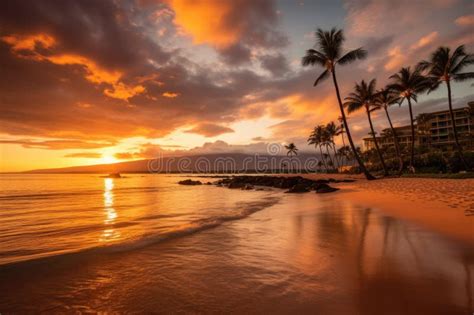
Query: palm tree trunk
column 344, row 157
column 385, row 172
column 322, row 158
column 335, row 155
column 412, row 147
column 329, row 155
column 359, row 160
column 453, row 123
column 342, row 136
column 395, row 142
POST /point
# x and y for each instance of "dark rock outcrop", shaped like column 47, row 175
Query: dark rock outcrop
column 190, row 182
column 294, row 184
column 113, row 175
column 248, row 187
column 325, row 188
column 298, row 189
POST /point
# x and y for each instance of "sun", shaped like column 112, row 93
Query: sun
column 108, row 159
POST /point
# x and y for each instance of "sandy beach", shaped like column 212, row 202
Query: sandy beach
column 444, row 205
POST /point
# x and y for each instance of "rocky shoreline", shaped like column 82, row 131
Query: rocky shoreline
column 293, row 184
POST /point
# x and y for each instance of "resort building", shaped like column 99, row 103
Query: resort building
column 432, row 130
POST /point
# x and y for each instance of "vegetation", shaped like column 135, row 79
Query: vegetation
column 292, row 150
column 328, row 56
column 444, row 67
column 364, row 97
column 404, row 86
column 408, row 84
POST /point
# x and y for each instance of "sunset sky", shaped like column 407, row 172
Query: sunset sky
column 90, row 82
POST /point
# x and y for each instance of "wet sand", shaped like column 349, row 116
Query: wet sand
column 308, row 253
column 444, row 205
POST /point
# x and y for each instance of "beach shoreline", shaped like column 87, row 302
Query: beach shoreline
column 442, row 205
column 297, row 253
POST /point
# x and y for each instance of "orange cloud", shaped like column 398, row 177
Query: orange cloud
column 29, row 42
column 396, row 59
column 465, row 20
column 124, row 155
column 124, row 92
column 58, row 144
column 425, row 40
column 170, row 94
column 94, row 73
column 85, row 155
column 205, row 21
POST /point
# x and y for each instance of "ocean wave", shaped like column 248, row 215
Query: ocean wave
column 79, row 193
column 242, row 211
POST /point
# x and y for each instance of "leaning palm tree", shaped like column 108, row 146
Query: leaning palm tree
column 384, row 99
column 444, row 67
column 363, row 97
column 408, row 84
column 328, row 56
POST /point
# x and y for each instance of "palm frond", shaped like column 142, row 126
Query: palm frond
column 356, row 54
column 461, row 77
column 313, row 57
column 322, row 77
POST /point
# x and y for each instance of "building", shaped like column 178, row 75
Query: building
column 432, row 130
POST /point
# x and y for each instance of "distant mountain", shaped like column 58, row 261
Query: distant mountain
column 208, row 163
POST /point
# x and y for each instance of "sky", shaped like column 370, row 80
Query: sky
column 91, row 82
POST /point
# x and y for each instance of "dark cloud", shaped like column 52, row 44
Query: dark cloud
column 235, row 54
column 209, row 130
column 100, row 30
column 377, row 44
column 58, row 144
column 275, row 64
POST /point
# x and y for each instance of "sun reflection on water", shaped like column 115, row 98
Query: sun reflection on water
column 109, row 233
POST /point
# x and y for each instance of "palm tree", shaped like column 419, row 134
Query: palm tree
column 332, row 130
column 363, row 97
column 328, row 56
column 292, row 150
column 384, row 99
column 325, row 141
column 316, row 139
column 444, row 67
column 341, row 131
column 408, row 84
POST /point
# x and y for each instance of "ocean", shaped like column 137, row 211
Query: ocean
column 144, row 244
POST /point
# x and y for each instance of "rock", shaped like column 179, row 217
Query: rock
column 325, row 188
column 298, row 188
column 294, row 184
column 236, row 184
column 113, row 175
column 190, row 182
column 208, row 183
column 247, row 187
